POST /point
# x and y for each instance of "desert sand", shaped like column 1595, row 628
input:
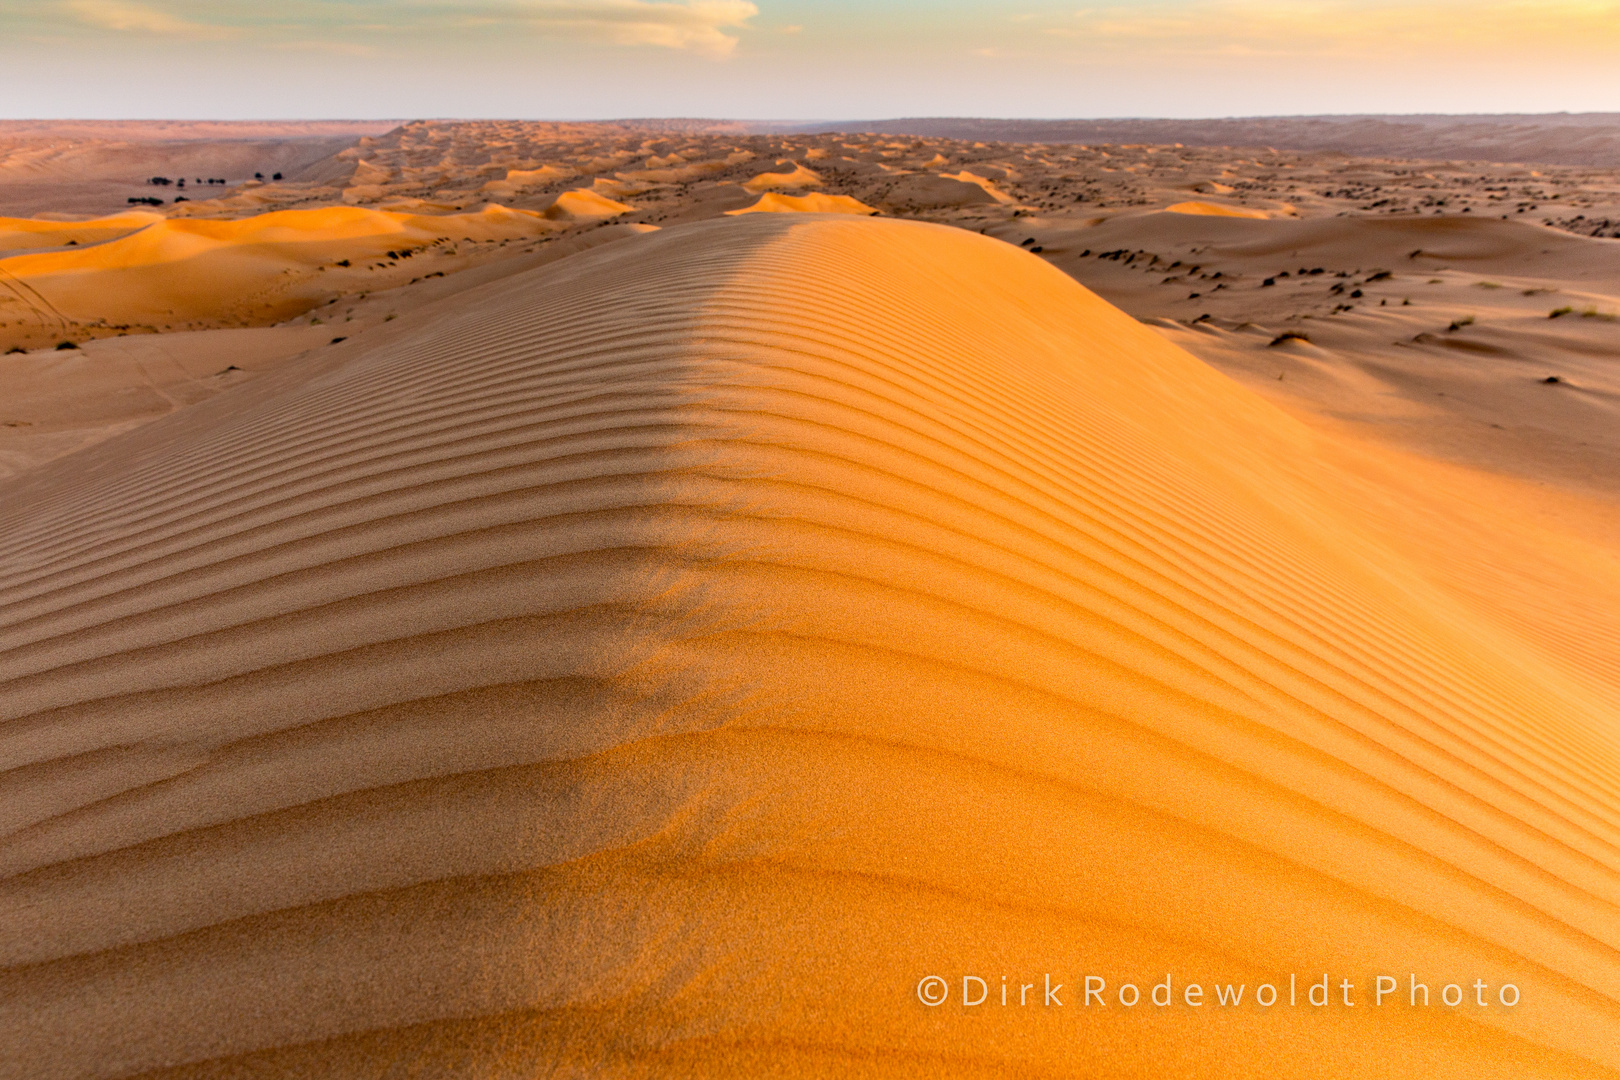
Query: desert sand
column 654, row 643
column 1591, row 139
column 1447, row 350
column 76, row 167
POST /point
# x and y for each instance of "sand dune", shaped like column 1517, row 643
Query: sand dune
column 585, row 205
column 815, row 202
column 58, row 401
column 248, row 271
column 1436, row 333
column 1199, row 208
column 671, row 173
column 659, row 661
column 922, row 191
column 987, row 182
column 520, row 180
column 797, row 177
column 1589, row 139
column 88, row 167
column 27, row 234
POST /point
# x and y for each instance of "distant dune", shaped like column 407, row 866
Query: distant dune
column 89, row 166
column 1550, row 138
column 27, row 234
column 194, row 130
column 256, row 270
column 657, row 662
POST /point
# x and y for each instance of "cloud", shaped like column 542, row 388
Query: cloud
column 336, row 48
column 140, row 19
column 705, row 27
column 1370, row 28
column 698, row 26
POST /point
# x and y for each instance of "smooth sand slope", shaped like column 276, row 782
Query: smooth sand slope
column 1477, row 340
column 813, row 203
column 27, row 234
column 78, row 166
column 656, row 663
column 57, row 401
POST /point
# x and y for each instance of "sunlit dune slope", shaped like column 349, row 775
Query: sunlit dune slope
column 249, row 270
column 584, row 205
column 661, row 662
column 1209, row 209
column 27, row 234
column 815, row 202
column 799, row 177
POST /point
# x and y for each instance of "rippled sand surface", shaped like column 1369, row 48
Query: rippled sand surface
column 658, row 661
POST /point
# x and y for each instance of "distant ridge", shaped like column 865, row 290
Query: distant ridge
column 1549, row 138
column 1581, row 139
column 1591, row 139
column 193, row 130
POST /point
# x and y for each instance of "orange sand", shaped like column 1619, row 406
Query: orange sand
column 814, row 203
column 799, row 177
column 986, row 183
column 26, row 234
column 255, row 269
column 585, row 205
column 1209, row 209
column 657, row 662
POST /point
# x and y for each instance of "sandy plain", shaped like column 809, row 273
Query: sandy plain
column 489, row 604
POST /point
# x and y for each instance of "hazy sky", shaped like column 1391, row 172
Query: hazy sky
column 795, row 59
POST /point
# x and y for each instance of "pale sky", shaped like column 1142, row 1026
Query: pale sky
column 795, row 59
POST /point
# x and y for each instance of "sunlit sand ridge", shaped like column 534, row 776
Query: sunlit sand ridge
column 250, row 271
column 26, row 234
column 661, row 660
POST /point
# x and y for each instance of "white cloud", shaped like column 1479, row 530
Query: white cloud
column 1349, row 27
column 698, row 26
column 705, row 27
column 141, row 19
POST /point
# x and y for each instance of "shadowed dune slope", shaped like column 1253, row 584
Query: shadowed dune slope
column 662, row 662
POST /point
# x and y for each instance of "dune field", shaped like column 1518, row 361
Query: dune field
column 424, row 184
column 1561, row 138
column 550, row 600
column 1388, row 293
column 81, row 167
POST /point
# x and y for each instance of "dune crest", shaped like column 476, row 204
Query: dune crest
column 663, row 659
column 518, row 181
column 986, row 182
column 1209, row 209
column 799, row 177
column 25, row 234
column 584, row 204
column 924, row 190
column 815, row 202
column 254, row 269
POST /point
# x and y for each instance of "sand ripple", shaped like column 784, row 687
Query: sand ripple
column 661, row 663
